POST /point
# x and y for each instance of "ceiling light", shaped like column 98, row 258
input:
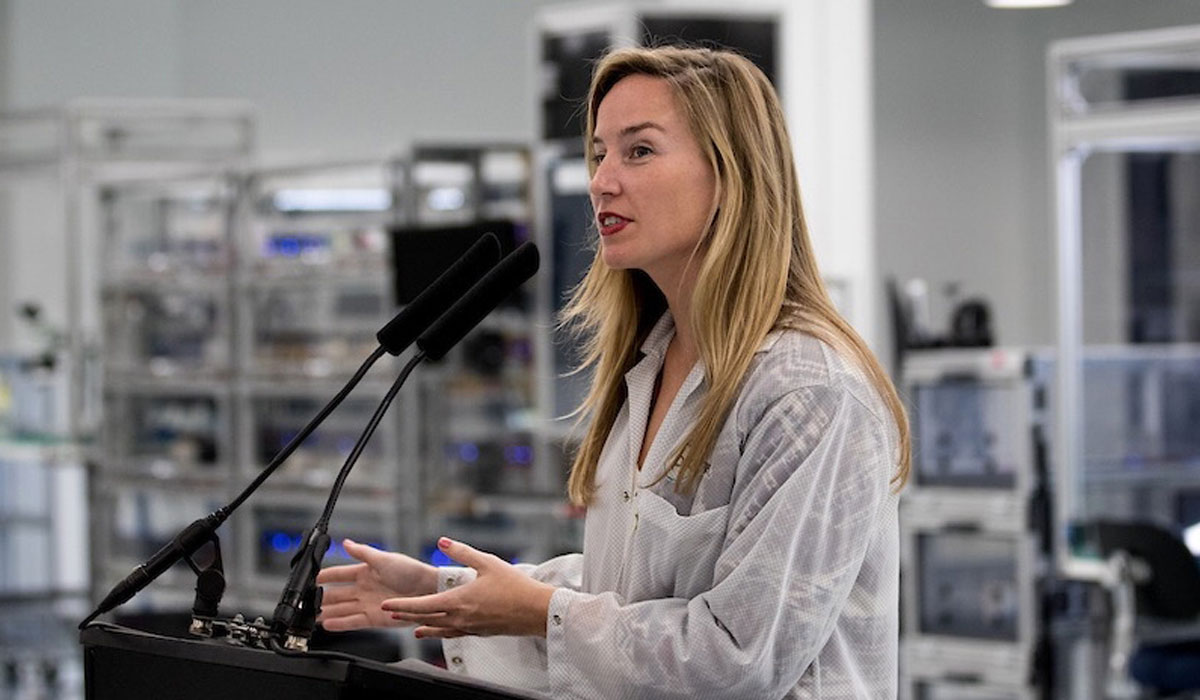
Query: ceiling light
column 1026, row 4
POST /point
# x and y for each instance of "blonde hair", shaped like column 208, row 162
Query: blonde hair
column 757, row 273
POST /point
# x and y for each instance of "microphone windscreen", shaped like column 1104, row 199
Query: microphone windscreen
column 415, row 317
column 486, row 295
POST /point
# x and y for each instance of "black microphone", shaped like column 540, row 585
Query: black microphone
column 296, row 611
column 477, row 303
column 402, row 330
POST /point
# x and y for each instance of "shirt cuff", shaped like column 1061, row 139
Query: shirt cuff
column 454, row 649
column 557, row 619
column 453, row 576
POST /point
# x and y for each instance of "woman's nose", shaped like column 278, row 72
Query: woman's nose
column 604, row 181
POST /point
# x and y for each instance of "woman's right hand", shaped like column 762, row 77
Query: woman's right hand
column 355, row 602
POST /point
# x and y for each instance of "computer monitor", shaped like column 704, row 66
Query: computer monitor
column 421, row 253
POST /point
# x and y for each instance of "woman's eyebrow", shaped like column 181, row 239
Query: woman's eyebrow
column 633, row 129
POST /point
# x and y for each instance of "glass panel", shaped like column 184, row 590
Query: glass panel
column 314, row 329
column 161, row 231
column 145, row 519
column 279, row 530
column 1145, row 76
column 276, row 421
column 573, row 235
column 1140, row 220
column 166, row 331
column 328, row 219
column 968, row 585
column 1140, row 283
column 1141, row 445
column 967, row 434
column 165, row 435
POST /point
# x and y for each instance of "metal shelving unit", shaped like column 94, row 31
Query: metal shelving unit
column 211, row 376
column 975, row 551
column 43, row 578
column 54, row 163
column 1124, row 124
column 312, row 287
column 489, row 478
column 166, row 453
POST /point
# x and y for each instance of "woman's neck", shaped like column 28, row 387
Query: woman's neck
column 679, row 302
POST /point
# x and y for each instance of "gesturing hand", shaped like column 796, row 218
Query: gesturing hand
column 501, row 600
column 380, row 576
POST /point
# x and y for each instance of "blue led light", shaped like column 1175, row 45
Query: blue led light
column 519, row 454
column 439, row 558
column 281, row 542
column 468, row 452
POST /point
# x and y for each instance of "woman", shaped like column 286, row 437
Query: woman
column 744, row 451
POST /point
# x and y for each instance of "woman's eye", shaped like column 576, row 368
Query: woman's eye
column 596, row 158
column 640, row 151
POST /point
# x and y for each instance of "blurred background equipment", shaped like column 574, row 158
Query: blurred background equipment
column 981, row 606
column 1124, row 133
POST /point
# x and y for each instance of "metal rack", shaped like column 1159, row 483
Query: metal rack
column 1124, row 124
column 974, row 527
column 53, row 164
column 57, row 157
column 490, row 476
column 43, row 580
column 308, row 265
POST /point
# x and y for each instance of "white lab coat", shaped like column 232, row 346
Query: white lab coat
column 778, row 579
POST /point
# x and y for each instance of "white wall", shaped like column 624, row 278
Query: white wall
column 962, row 185
column 361, row 78
column 116, row 48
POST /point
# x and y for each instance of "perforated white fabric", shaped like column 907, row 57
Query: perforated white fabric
column 778, row 579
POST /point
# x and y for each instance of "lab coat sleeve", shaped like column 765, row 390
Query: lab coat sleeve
column 812, row 482
column 513, row 661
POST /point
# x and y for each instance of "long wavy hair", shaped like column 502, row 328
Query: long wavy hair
column 756, row 269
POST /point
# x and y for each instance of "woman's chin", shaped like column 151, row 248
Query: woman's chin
column 614, row 260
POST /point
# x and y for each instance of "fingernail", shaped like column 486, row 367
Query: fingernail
column 445, row 542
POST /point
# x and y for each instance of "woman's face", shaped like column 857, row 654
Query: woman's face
column 653, row 191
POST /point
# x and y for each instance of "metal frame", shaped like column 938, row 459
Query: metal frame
column 1073, row 137
column 995, row 513
column 78, row 165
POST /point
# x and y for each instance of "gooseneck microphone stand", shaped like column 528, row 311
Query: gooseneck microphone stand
column 393, row 338
column 296, row 613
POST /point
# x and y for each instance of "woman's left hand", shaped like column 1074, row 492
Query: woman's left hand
column 500, row 601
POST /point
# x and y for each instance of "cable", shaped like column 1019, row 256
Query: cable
column 323, row 523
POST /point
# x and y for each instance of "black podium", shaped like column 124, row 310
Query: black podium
column 124, row 663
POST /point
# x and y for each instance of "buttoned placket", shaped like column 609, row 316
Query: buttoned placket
column 629, row 496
